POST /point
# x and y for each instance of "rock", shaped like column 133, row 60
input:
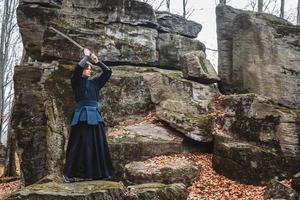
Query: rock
column 147, row 191
column 127, row 92
column 196, row 67
column 224, row 17
column 173, row 23
column 117, row 42
column 173, row 170
column 142, row 141
column 183, row 104
column 171, row 47
column 56, row 189
column 32, row 21
column 257, row 140
column 272, row 69
column 119, row 31
column 296, row 182
column 129, row 31
column 196, row 126
column 52, row 187
column 39, row 134
column 41, row 116
column 131, row 12
column 277, row 190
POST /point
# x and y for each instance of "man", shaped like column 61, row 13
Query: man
column 87, row 155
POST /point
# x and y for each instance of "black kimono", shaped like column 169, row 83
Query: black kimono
column 87, row 154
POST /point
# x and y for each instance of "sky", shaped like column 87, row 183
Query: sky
column 205, row 14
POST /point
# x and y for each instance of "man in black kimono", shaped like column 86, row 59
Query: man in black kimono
column 87, row 154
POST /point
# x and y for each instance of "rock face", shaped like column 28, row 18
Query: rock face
column 131, row 38
column 119, row 31
column 147, row 191
column 171, row 47
column 45, row 102
column 172, row 23
column 177, row 170
column 258, row 54
column 276, row 190
column 54, row 188
column 182, row 103
column 139, row 142
column 257, row 141
column 196, row 67
column 37, row 119
column 51, row 187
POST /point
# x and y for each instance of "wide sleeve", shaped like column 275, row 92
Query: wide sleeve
column 77, row 73
column 105, row 75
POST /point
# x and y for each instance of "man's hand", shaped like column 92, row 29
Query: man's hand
column 87, row 52
column 94, row 58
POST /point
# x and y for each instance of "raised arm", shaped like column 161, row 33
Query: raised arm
column 104, row 77
column 77, row 73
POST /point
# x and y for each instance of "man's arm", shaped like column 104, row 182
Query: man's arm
column 77, row 73
column 104, row 77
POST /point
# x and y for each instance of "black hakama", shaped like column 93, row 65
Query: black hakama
column 87, row 154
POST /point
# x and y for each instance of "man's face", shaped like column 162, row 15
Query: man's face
column 86, row 71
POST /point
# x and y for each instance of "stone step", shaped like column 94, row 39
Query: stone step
column 142, row 141
column 52, row 187
column 163, row 169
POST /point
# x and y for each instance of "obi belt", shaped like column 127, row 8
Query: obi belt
column 87, row 110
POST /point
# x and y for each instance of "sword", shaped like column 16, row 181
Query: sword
column 70, row 39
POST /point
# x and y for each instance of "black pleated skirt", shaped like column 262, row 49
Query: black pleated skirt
column 87, row 154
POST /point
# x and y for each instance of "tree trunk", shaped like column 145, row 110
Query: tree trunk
column 298, row 13
column 260, row 5
column 184, row 8
column 10, row 159
column 168, row 5
column 223, row 2
column 282, row 9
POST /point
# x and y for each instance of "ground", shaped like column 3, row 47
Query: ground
column 208, row 184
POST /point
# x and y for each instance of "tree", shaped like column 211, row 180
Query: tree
column 282, row 9
column 298, row 13
column 10, row 53
column 260, row 6
column 188, row 12
column 223, row 2
column 168, row 5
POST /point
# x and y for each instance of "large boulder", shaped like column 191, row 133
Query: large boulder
column 224, row 17
column 118, row 31
column 257, row 140
column 196, row 67
column 117, row 42
column 173, row 23
column 277, row 190
column 261, row 52
column 34, row 115
column 172, row 47
column 44, row 103
column 149, row 191
column 52, row 187
column 140, row 142
column 163, row 169
column 182, row 103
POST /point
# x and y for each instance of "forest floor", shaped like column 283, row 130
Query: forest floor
column 208, row 185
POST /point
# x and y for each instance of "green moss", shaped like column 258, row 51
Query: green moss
column 58, row 87
column 174, row 75
column 61, row 23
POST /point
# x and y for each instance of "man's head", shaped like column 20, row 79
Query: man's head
column 86, row 71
